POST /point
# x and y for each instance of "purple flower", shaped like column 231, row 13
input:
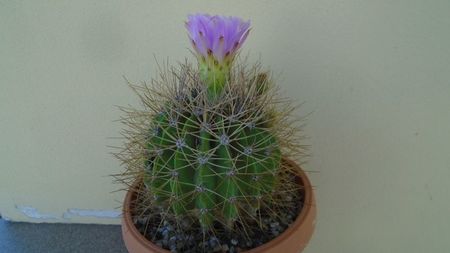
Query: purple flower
column 217, row 38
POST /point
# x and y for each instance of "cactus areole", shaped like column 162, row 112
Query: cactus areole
column 208, row 143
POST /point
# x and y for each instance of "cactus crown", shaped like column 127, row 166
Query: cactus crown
column 208, row 145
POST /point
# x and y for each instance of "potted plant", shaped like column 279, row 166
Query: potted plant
column 210, row 156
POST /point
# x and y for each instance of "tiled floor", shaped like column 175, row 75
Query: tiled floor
column 59, row 238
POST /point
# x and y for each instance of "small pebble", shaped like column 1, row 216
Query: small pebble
column 218, row 248
column 225, row 247
column 213, row 241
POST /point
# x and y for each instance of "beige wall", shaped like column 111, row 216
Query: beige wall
column 376, row 74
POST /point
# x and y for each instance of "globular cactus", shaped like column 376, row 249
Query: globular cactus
column 211, row 138
column 211, row 159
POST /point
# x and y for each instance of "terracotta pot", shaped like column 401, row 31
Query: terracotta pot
column 292, row 240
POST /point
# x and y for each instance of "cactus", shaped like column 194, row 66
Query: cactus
column 209, row 159
column 210, row 139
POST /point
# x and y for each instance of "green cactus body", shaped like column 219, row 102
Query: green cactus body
column 182, row 177
column 205, row 179
column 261, row 159
column 211, row 172
column 163, row 162
column 227, row 186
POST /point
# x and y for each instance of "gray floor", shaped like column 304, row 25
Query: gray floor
column 18, row 237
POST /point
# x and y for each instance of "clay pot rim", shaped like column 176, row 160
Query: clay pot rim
column 308, row 197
